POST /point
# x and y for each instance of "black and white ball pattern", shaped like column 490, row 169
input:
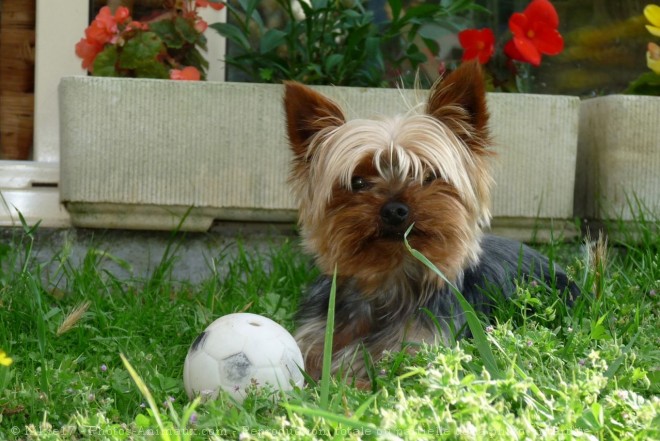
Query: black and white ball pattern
column 238, row 350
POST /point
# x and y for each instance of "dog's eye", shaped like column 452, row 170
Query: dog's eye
column 359, row 183
column 429, row 177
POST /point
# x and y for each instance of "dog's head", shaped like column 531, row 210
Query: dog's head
column 360, row 184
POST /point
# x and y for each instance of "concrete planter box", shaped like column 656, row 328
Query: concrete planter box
column 140, row 153
column 619, row 158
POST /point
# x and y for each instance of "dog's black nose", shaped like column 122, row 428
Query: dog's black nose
column 394, row 213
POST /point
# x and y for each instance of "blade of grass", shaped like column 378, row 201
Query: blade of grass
column 327, row 345
column 363, row 407
column 184, row 434
column 479, row 336
column 29, row 232
column 40, row 319
column 541, row 399
column 369, row 367
column 452, row 327
column 144, row 390
column 614, row 366
column 164, row 267
column 352, row 423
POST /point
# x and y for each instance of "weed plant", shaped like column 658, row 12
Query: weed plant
column 98, row 357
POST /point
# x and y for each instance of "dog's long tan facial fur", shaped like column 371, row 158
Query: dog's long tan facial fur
column 434, row 162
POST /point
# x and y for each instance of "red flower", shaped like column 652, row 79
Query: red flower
column 122, row 14
column 205, row 3
column 98, row 33
column 136, row 26
column 535, row 32
column 477, row 43
column 104, row 27
column 188, row 73
column 101, row 31
column 88, row 50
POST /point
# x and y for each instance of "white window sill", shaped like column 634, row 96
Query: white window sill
column 31, row 189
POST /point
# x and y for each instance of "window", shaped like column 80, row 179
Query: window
column 30, row 187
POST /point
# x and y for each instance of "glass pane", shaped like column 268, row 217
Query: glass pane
column 605, row 45
column 605, row 42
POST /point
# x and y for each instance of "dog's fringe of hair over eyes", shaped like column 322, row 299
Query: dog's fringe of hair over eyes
column 414, row 144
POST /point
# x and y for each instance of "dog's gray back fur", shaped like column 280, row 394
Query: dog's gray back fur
column 502, row 263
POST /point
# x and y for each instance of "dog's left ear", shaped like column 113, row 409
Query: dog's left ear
column 459, row 100
column 307, row 113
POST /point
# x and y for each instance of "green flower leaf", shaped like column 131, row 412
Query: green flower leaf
column 647, row 84
column 232, row 33
column 271, row 40
column 266, row 74
column 105, row 63
column 152, row 69
column 168, row 34
column 396, row 6
column 186, row 29
column 140, row 50
column 432, row 45
column 332, row 61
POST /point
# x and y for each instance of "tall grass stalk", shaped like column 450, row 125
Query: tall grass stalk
column 475, row 325
column 327, row 344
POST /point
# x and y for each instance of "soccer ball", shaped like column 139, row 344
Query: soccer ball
column 238, row 350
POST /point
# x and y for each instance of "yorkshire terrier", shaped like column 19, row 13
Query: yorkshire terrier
column 361, row 184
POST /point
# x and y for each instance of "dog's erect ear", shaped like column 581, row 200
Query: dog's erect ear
column 307, row 112
column 460, row 98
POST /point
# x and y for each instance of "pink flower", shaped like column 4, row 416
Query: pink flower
column 88, row 50
column 653, row 57
column 201, row 26
column 104, row 27
column 98, row 33
column 188, row 73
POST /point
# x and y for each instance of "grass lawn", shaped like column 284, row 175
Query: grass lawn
column 591, row 371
